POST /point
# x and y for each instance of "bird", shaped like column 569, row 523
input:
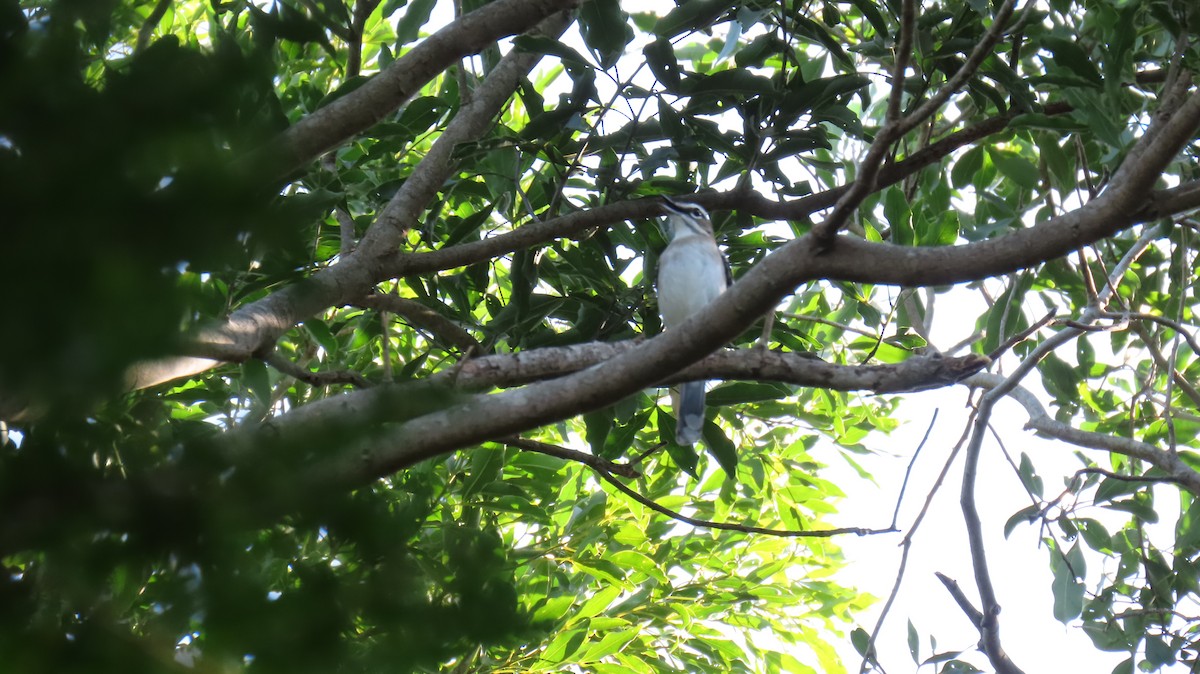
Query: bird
column 691, row 273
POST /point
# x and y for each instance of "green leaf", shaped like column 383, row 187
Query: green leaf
column 321, row 333
column 1124, row 667
column 486, row 467
column 563, row 646
column 914, row 643
column 721, row 448
column 598, row 423
column 1068, row 593
column 1068, row 54
column 660, row 56
column 596, row 604
column 738, row 393
column 1060, row 379
column 610, row 643
column 871, row 13
column 959, row 667
column 605, row 30
column 541, row 44
column 553, row 609
column 734, row 81
column 860, row 639
column 963, row 173
column 1037, row 120
column 1158, row 652
column 691, row 15
column 258, row 380
column 409, row 28
column 899, row 217
column 1015, row 167
column 1139, row 508
column 1095, row 535
column 1029, row 476
column 1022, row 516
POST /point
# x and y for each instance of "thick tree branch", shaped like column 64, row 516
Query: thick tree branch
column 989, row 627
column 368, row 408
column 362, row 12
column 472, row 121
column 360, row 109
column 257, row 325
column 147, row 30
column 917, row 373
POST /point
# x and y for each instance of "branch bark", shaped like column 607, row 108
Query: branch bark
column 1041, row 421
column 254, row 328
column 359, row 110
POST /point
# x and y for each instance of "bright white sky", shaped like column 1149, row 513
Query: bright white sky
column 1019, row 565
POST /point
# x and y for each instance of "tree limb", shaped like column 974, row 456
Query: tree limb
column 358, row 110
column 1043, row 423
column 420, row 316
column 253, row 326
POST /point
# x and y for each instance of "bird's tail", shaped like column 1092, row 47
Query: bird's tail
column 689, row 412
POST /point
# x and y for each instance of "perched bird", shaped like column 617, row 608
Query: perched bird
column 691, row 273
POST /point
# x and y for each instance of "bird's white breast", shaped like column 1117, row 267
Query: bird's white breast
column 691, row 274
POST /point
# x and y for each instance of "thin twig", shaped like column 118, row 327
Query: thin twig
column 905, row 547
column 1174, row 376
column 1020, row 336
column 1161, row 320
column 277, row 361
column 590, row 460
column 420, row 316
column 833, row 324
column 608, row 470
column 960, row 597
column 729, row 526
column 911, row 463
column 1154, row 479
column 895, row 126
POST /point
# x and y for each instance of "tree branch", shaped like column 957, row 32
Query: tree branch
column 360, row 109
column 600, row 465
column 255, row 325
column 1043, row 423
column 279, row 362
column 420, row 316
column 471, row 122
column 990, row 607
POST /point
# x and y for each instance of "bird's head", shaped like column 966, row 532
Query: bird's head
column 686, row 219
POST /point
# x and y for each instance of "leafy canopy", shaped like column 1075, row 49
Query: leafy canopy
column 325, row 317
